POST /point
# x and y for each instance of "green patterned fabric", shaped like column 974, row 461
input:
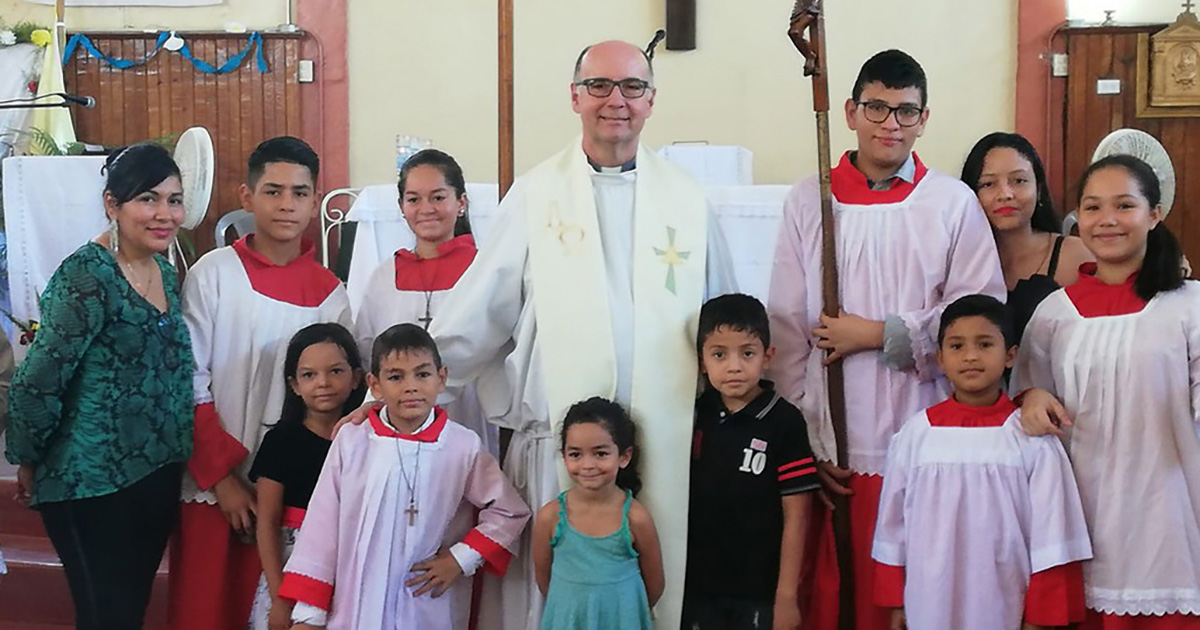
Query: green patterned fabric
column 105, row 396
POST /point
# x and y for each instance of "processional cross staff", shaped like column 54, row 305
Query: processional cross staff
column 808, row 15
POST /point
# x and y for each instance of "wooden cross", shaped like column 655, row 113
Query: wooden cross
column 412, row 513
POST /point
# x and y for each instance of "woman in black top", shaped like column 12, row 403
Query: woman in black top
column 1006, row 173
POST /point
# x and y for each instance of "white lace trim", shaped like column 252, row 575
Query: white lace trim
column 1163, row 601
column 191, row 493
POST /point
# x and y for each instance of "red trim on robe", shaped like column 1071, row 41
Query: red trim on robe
column 823, row 585
column 495, row 557
column 889, row 585
column 293, row 517
column 1171, row 621
column 1094, row 298
column 302, row 282
column 301, row 588
column 430, row 433
column 213, row 575
column 850, row 185
column 215, row 453
column 951, row 413
column 414, row 273
column 1055, row 596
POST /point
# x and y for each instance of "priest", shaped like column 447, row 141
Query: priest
column 591, row 285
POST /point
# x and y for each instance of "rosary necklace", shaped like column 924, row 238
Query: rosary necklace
column 412, row 510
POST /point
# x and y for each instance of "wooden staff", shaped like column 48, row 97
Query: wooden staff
column 807, row 14
column 505, row 42
column 60, row 26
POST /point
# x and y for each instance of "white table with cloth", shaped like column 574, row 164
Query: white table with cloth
column 52, row 205
column 749, row 216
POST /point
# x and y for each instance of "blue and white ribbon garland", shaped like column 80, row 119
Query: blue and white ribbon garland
column 254, row 42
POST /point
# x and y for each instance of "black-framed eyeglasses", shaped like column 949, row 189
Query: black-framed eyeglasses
column 602, row 88
column 878, row 112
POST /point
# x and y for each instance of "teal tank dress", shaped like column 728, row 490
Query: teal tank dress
column 595, row 581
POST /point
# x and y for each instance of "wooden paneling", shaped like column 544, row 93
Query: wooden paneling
column 1111, row 53
column 168, row 94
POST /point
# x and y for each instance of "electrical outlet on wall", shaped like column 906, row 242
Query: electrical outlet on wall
column 1108, row 86
column 1058, row 64
column 305, row 71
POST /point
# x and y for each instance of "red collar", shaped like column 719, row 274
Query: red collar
column 414, row 273
column 244, row 249
column 302, row 281
column 951, row 413
column 430, row 433
column 850, row 186
column 456, row 244
column 1093, row 298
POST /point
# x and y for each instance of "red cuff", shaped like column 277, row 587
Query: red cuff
column 495, row 557
column 215, row 453
column 1055, row 596
column 301, row 588
column 889, row 585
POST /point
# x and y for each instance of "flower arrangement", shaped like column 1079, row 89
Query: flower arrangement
column 24, row 33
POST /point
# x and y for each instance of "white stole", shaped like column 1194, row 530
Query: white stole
column 575, row 331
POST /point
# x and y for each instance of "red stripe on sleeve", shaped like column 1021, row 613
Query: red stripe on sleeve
column 1055, row 596
column 797, row 473
column 798, row 462
column 215, row 453
column 495, row 557
column 301, row 588
column 889, row 585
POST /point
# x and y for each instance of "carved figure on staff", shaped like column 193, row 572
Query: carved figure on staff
column 804, row 15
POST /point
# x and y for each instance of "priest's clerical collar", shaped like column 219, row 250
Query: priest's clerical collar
column 624, row 168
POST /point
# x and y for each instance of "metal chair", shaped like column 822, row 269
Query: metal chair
column 240, row 220
column 335, row 218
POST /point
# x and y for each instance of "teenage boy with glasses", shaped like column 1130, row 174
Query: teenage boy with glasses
column 910, row 240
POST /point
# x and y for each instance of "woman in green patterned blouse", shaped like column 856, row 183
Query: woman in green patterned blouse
column 101, row 408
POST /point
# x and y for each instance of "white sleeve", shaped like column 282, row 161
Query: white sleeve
column 1193, row 345
column 479, row 317
column 1058, row 534
column 201, row 292
column 467, row 558
column 1033, row 367
column 309, row 614
column 972, row 266
column 891, row 528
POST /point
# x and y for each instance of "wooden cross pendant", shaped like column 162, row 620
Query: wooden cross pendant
column 412, row 513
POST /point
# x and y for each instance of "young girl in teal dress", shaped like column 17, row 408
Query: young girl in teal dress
column 596, row 552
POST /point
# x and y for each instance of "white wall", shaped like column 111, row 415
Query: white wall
column 1126, row 11
column 255, row 14
column 428, row 68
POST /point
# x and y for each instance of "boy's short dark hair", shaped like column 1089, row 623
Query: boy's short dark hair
column 980, row 306
column 402, row 338
column 281, row 149
column 737, row 311
column 896, row 70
